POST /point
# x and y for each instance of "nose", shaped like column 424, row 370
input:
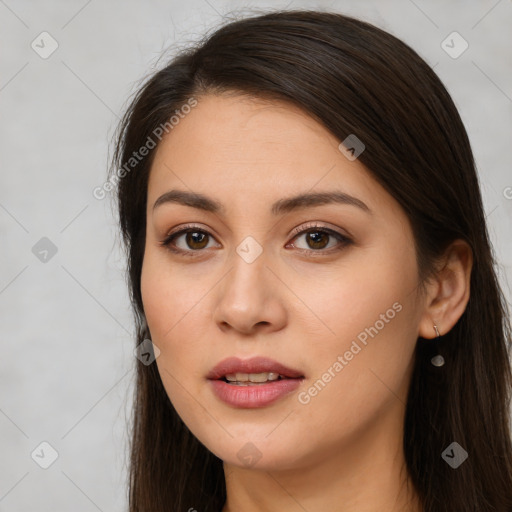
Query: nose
column 251, row 298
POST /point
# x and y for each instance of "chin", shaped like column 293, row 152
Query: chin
column 259, row 454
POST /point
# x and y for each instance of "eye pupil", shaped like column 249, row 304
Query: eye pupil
column 318, row 243
column 191, row 235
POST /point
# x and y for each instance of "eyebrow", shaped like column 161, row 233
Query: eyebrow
column 280, row 207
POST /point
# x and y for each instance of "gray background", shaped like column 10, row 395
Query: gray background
column 67, row 360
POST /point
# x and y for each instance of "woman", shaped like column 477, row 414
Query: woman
column 308, row 254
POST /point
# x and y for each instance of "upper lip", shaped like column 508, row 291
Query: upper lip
column 233, row 365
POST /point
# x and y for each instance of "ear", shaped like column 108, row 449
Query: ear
column 448, row 291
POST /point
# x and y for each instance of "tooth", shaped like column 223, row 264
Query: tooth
column 263, row 377
column 258, row 377
column 252, row 377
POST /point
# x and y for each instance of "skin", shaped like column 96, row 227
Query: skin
column 343, row 449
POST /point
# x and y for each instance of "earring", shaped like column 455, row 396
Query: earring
column 439, row 359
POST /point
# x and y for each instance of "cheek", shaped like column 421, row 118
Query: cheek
column 369, row 320
column 169, row 296
column 351, row 297
column 172, row 306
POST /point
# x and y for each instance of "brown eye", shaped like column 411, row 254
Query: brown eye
column 317, row 239
column 194, row 240
column 191, row 240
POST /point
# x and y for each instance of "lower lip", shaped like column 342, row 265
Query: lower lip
column 258, row 395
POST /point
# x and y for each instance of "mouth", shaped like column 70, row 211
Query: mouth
column 253, row 383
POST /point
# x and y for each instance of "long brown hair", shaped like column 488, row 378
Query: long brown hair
column 353, row 78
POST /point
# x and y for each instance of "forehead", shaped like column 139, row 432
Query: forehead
column 244, row 129
column 253, row 151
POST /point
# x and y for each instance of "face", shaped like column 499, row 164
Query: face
column 326, row 288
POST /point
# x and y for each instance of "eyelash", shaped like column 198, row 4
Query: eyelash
column 344, row 241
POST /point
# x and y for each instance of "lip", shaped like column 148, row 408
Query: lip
column 258, row 395
column 252, row 365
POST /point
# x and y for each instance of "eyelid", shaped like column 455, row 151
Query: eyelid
column 184, row 227
column 313, row 224
column 299, row 229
